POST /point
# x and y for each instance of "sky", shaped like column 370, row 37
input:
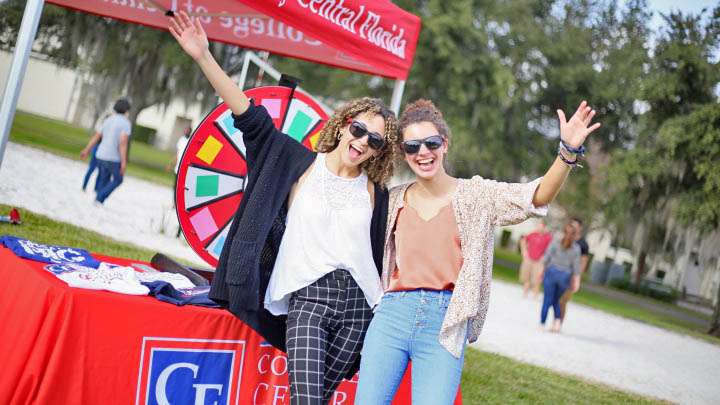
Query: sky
column 686, row 6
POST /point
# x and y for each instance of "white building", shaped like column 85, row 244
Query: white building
column 57, row 92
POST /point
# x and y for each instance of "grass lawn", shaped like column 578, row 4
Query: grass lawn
column 622, row 308
column 493, row 379
column 41, row 229
column 67, row 140
column 487, row 378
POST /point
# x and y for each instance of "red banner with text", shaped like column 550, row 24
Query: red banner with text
column 371, row 31
column 378, row 38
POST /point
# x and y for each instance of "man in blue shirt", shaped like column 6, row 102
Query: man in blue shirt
column 114, row 137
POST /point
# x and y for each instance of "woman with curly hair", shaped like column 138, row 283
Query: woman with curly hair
column 302, row 261
column 438, row 258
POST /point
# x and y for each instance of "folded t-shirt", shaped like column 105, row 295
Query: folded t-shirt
column 106, row 277
column 194, row 296
column 28, row 249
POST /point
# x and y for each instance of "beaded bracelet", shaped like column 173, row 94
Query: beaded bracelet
column 574, row 163
column 570, row 149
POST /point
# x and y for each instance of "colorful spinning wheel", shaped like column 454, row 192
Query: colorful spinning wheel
column 211, row 175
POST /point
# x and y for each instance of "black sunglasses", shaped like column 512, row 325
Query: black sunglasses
column 413, row 147
column 358, row 130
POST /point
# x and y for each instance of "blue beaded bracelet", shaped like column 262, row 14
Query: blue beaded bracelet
column 571, row 149
column 573, row 164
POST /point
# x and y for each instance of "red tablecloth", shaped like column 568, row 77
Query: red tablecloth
column 63, row 345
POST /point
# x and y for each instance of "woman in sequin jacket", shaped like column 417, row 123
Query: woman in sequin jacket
column 438, row 257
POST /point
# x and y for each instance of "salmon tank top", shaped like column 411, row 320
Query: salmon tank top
column 429, row 254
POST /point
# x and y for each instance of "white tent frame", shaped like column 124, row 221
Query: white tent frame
column 26, row 37
column 251, row 56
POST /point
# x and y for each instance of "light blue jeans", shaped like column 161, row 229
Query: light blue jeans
column 405, row 327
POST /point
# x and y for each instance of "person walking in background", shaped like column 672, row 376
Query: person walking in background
column 91, row 168
column 533, row 247
column 584, row 257
column 561, row 263
column 175, row 164
column 179, row 150
column 113, row 139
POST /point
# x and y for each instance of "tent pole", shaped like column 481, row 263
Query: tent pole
column 254, row 58
column 397, row 96
column 26, row 37
column 246, row 65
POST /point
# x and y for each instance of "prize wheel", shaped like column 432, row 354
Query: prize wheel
column 211, row 175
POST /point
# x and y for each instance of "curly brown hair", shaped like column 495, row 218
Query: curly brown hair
column 423, row 110
column 379, row 169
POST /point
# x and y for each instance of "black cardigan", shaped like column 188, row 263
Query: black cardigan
column 275, row 161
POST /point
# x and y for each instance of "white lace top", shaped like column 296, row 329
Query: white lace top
column 328, row 228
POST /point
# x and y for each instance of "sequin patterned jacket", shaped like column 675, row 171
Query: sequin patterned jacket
column 479, row 205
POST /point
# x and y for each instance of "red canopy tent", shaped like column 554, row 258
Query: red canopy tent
column 371, row 37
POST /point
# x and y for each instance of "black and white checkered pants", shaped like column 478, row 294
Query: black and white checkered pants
column 326, row 325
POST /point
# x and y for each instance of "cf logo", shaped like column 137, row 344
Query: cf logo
column 200, row 389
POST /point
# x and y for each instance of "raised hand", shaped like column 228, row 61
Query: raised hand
column 193, row 40
column 574, row 131
column 189, row 35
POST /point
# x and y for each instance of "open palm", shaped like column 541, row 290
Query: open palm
column 574, row 131
column 189, row 35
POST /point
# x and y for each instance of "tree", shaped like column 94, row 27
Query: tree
column 120, row 59
column 668, row 174
column 715, row 325
column 676, row 182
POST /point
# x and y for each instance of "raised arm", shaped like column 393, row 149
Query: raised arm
column 193, row 40
column 573, row 134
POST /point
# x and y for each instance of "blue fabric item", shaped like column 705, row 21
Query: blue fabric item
column 164, row 291
column 109, row 179
column 405, row 327
column 28, row 249
column 91, row 168
column 555, row 282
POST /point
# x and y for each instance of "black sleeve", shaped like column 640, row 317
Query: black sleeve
column 378, row 225
column 584, row 248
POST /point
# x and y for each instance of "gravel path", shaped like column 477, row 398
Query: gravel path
column 138, row 212
column 593, row 345
column 598, row 346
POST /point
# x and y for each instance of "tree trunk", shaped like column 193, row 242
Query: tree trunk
column 640, row 268
column 715, row 326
